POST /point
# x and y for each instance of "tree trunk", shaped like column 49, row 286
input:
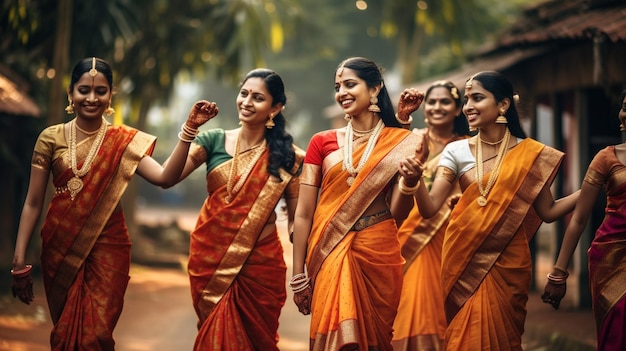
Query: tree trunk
column 60, row 64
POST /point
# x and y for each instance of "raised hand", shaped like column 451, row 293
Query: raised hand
column 410, row 101
column 200, row 113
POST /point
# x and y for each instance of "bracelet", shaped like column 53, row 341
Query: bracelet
column 22, row 272
column 187, row 134
column 185, row 138
column 407, row 190
column 299, row 282
column 555, row 279
column 407, row 122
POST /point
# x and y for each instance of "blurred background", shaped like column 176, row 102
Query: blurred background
column 565, row 58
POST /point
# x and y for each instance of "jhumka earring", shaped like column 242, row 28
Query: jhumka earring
column 621, row 127
column 109, row 110
column 270, row 122
column 347, row 117
column 70, row 106
column 373, row 107
column 501, row 118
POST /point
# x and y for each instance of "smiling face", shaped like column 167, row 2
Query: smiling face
column 91, row 96
column 352, row 92
column 480, row 106
column 254, row 102
column 440, row 108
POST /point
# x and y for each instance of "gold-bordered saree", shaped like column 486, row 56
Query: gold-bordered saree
column 85, row 255
column 486, row 265
column 356, row 275
column 238, row 282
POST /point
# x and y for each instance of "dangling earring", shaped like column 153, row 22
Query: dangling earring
column 373, row 107
column 472, row 129
column 501, row 118
column 70, row 106
column 270, row 122
column 109, row 110
column 621, row 127
column 347, row 117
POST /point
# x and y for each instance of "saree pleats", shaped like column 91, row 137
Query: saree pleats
column 246, row 317
column 356, row 293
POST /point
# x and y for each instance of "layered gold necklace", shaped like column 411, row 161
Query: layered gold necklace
column 75, row 184
column 233, row 188
column 484, row 190
column 348, row 146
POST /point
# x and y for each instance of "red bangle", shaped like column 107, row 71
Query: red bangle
column 22, row 272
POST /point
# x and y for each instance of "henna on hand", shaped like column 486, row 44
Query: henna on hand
column 303, row 300
column 200, row 113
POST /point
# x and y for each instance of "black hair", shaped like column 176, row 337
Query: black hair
column 369, row 71
column 86, row 64
column 280, row 142
column 461, row 127
column 501, row 88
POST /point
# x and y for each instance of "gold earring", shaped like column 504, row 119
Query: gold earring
column 373, row 107
column 270, row 122
column 621, row 127
column 70, row 106
column 347, row 117
column 109, row 110
column 501, row 118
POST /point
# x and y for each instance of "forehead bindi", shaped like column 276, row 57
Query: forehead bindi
column 345, row 74
column 255, row 85
column 86, row 80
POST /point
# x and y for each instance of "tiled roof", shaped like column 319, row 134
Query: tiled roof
column 13, row 101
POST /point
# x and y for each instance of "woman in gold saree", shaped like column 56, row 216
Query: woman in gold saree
column 85, row 253
column 505, row 182
column 351, row 286
column 236, row 265
column 421, row 322
column 607, row 254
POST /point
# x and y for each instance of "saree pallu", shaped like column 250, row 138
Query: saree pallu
column 356, row 275
column 85, row 255
column 607, row 256
column 238, row 284
column 421, row 322
column 486, row 264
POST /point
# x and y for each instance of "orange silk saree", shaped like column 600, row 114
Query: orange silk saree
column 85, row 255
column 238, row 282
column 486, row 264
column 356, row 275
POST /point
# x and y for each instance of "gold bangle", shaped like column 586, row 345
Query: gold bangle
column 22, row 272
column 407, row 190
column 407, row 122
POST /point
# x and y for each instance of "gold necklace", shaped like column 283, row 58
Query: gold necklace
column 484, row 191
column 86, row 132
column 347, row 150
column 440, row 140
column 233, row 189
column 492, row 143
column 75, row 184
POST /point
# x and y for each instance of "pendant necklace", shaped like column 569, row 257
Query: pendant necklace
column 484, row 191
column 75, row 184
column 348, row 146
column 233, row 189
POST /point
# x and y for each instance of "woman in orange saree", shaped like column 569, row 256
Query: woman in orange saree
column 85, row 253
column 353, row 276
column 505, row 183
column 607, row 254
column 236, row 265
column 421, row 323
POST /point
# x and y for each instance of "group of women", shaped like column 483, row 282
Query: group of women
column 402, row 239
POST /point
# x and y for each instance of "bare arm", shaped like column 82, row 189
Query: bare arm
column 550, row 210
column 170, row 173
column 31, row 211
column 303, row 222
column 580, row 216
column 429, row 203
column 291, row 212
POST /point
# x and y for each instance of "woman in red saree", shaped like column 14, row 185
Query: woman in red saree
column 505, row 182
column 421, row 323
column 236, row 265
column 607, row 254
column 85, row 254
column 348, row 237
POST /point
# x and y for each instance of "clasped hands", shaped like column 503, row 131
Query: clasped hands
column 412, row 167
